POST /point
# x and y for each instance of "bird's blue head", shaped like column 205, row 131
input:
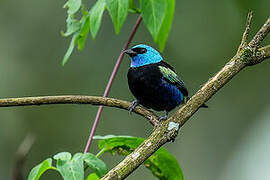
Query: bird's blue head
column 142, row 55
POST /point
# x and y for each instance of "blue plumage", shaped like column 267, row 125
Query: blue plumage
column 150, row 56
column 152, row 81
column 171, row 94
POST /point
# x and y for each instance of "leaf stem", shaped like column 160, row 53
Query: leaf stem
column 108, row 87
column 100, row 152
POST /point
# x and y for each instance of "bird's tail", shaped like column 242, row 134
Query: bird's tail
column 202, row 106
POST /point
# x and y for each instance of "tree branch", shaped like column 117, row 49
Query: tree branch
column 262, row 54
column 265, row 53
column 261, row 34
column 246, row 32
column 167, row 130
column 71, row 99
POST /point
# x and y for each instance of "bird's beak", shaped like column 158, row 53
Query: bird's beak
column 130, row 52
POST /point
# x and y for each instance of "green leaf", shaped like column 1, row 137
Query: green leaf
column 123, row 145
column 70, row 48
column 162, row 164
column 153, row 13
column 84, row 30
column 79, row 36
column 166, row 25
column 132, row 7
column 62, row 156
column 38, row 170
column 95, row 16
column 73, row 25
column 70, row 169
column 92, row 176
column 73, row 6
column 97, row 165
column 118, row 10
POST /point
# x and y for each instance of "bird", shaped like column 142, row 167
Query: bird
column 153, row 82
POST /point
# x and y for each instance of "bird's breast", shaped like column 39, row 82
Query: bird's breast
column 144, row 77
column 149, row 87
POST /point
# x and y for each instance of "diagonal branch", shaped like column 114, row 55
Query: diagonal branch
column 167, row 130
column 71, row 99
column 261, row 34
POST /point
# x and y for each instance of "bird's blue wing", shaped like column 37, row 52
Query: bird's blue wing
column 171, row 77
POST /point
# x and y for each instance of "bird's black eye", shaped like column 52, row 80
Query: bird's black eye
column 139, row 50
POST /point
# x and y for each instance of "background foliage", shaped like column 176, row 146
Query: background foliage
column 162, row 164
column 219, row 143
column 157, row 16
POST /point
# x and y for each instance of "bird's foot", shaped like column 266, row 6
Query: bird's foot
column 133, row 105
column 163, row 118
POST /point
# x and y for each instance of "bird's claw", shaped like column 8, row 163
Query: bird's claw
column 133, row 105
column 163, row 118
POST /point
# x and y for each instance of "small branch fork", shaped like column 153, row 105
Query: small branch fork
column 261, row 34
column 246, row 32
column 248, row 54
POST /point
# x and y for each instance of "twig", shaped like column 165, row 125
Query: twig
column 115, row 69
column 261, row 34
column 71, row 99
column 263, row 54
column 168, row 129
column 20, row 157
column 246, row 32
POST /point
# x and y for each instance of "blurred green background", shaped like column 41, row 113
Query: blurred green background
column 229, row 140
